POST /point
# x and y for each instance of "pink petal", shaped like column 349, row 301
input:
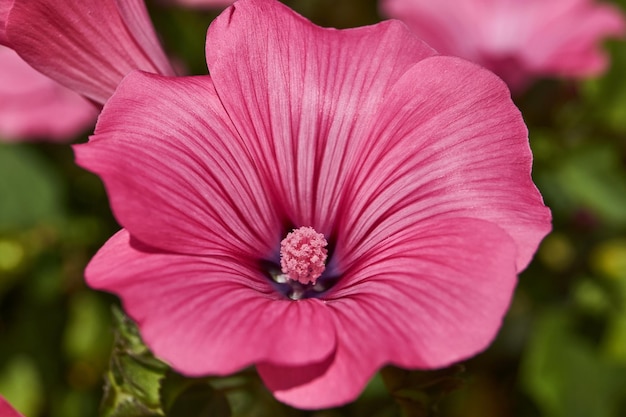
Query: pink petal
column 6, row 410
column 178, row 175
column 442, row 24
column 210, row 315
column 449, row 141
column 303, row 96
column 33, row 106
column 201, row 4
column 432, row 296
column 5, row 7
column 576, row 52
column 519, row 40
column 89, row 45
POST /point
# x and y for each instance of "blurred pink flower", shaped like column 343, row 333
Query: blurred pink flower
column 517, row 39
column 87, row 45
column 398, row 182
column 6, row 410
column 32, row 106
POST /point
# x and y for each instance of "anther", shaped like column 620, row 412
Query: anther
column 303, row 255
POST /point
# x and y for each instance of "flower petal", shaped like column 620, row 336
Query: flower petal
column 32, row 106
column 303, row 96
column 448, row 142
column 429, row 298
column 5, row 7
column 6, row 410
column 210, row 315
column 518, row 40
column 201, row 4
column 567, row 52
column 179, row 177
column 89, row 45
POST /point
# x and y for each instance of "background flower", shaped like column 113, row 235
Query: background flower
column 518, row 40
column 88, row 46
column 415, row 167
column 33, row 106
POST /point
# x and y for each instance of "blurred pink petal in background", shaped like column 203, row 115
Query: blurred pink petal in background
column 517, row 39
column 6, row 410
column 34, row 107
column 87, row 45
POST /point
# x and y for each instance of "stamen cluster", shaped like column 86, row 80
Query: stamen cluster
column 303, row 255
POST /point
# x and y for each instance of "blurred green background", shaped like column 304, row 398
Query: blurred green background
column 560, row 353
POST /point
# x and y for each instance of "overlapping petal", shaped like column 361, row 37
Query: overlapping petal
column 432, row 296
column 210, row 315
column 88, row 46
column 33, row 107
column 178, row 175
column 448, row 141
column 303, row 97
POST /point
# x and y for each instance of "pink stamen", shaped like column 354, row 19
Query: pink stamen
column 303, row 255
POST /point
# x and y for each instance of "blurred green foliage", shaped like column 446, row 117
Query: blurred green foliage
column 55, row 334
column 560, row 353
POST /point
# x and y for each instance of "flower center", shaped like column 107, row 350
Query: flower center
column 303, row 255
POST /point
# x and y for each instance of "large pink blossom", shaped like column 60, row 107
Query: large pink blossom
column 517, row 39
column 6, row 410
column 394, row 183
column 86, row 45
column 32, row 106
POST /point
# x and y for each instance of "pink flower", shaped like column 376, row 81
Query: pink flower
column 33, row 106
column 518, row 40
column 404, row 177
column 6, row 410
column 87, row 45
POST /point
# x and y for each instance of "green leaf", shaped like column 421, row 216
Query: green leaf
column 133, row 381
column 30, row 189
column 606, row 95
column 199, row 400
column 192, row 397
column 87, row 333
column 21, row 384
column 126, row 406
column 614, row 343
column 609, row 261
column 418, row 393
column 593, row 178
column 565, row 375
